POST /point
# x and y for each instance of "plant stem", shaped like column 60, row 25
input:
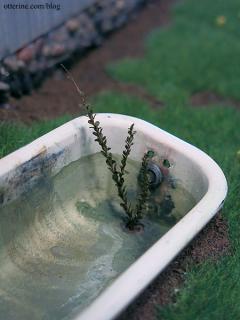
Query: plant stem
column 134, row 215
column 144, row 186
column 117, row 176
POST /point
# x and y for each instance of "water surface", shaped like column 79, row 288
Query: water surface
column 63, row 242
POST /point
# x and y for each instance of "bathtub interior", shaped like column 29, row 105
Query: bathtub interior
column 25, row 239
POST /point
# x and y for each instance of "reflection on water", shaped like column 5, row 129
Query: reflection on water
column 62, row 243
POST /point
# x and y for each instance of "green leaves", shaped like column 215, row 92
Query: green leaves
column 126, row 152
column 118, row 175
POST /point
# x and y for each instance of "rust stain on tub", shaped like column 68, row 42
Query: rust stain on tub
column 41, row 152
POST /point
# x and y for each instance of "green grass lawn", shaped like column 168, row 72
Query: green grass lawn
column 194, row 54
column 14, row 136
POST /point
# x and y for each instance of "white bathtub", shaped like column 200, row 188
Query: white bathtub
column 198, row 173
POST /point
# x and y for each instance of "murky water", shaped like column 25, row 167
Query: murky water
column 62, row 243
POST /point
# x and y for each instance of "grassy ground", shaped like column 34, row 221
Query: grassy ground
column 194, row 54
column 199, row 52
column 14, row 136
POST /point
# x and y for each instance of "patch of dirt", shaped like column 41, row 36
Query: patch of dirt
column 211, row 243
column 206, row 98
column 57, row 96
